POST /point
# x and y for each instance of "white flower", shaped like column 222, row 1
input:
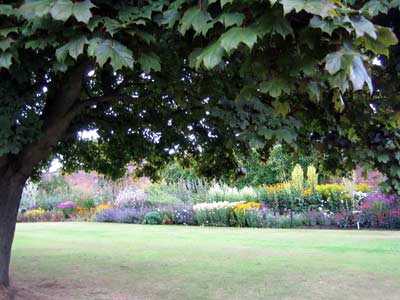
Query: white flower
column 129, row 196
column 215, row 205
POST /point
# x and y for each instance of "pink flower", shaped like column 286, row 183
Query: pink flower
column 339, row 217
column 66, row 204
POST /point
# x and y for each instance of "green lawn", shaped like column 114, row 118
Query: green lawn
column 113, row 261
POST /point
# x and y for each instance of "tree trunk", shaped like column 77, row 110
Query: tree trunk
column 62, row 105
column 11, row 187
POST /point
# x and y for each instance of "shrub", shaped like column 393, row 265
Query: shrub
column 121, row 215
column 333, row 197
column 40, row 215
column 298, row 220
column 87, row 204
column 215, row 217
column 384, row 201
column 363, row 187
column 277, row 196
column 180, row 214
column 312, row 177
column 101, row 207
column 29, row 196
column 160, row 194
column 49, row 201
column 131, row 197
column 67, row 207
column 220, row 192
column 240, row 211
column 34, row 212
column 216, row 213
column 254, row 218
column 297, row 182
column 283, row 221
column 319, row 218
column 153, row 218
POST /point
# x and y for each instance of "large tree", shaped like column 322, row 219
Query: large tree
column 205, row 78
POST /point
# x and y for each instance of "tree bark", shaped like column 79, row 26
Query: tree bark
column 62, row 105
column 11, row 186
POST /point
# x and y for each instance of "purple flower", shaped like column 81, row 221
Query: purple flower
column 391, row 201
column 122, row 215
column 66, row 204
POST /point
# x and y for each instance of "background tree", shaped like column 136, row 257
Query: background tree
column 205, row 78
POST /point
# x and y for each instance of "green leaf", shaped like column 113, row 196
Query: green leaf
column 358, row 75
column 60, row 67
column 281, row 108
column 286, row 135
column 5, row 60
column 325, row 25
column 339, row 80
column 275, row 22
column 112, row 26
column 35, row 8
column 290, row 5
column 275, row 87
column 314, row 91
column 40, row 43
column 333, row 62
column 145, row 36
column 196, row 18
column 265, row 132
column 149, row 61
column 382, row 157
column 6, row 43
column 361, row 25
column 170, row 17
column 81, row 11
column 338, row 102
column 209, row 57
column 230, row 19
column 64, row 9
column 323, row 8
column 381, row 44
column 7, row 10
column 375, row 7
column 74, row 48
column 93, row 44
column 231, row 39
column 119, row 55
column 5, row 31
column 225, row 2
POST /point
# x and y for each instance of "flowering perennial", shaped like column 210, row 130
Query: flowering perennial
column 215, row 205
column 390, row 201
column 243, row 207
column 35, row 212
column 130, row 197
column 66, row 205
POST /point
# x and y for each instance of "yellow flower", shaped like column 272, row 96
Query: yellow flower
column 329, row 189
column 277, row 188
column 363, row 187
column 35, row 212
column 102, row 207
column 307, row 192
column 243, row 207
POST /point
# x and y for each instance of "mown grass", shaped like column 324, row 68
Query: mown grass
column 114, row 261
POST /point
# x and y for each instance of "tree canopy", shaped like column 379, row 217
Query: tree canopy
column 205, row 78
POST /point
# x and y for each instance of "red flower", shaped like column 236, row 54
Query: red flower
column 340, row 217
column 367, row 206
